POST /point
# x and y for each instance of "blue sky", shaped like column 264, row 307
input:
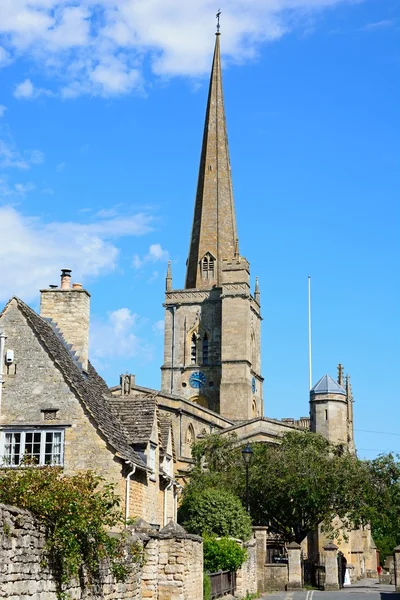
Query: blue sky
column 101, row 116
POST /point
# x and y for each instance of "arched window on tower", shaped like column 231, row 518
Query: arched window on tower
column 189, row 440
column 208, row 266
column 205, row 350
column 193, row 349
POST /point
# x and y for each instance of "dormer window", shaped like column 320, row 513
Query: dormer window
column 152, row 461
column 208, row 266
column 168, row 465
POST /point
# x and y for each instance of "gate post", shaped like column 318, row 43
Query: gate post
column 396, row 554
column 331, row 568
column 294, row 566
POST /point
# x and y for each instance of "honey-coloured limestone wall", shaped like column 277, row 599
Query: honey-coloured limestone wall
column 172, row 568
column 38, row 385
column 69, row 309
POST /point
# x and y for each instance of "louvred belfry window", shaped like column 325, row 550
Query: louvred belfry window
column 193, row 349
column 208, row 266
column 205, row 349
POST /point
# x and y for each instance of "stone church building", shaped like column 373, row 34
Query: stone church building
column 57, row 409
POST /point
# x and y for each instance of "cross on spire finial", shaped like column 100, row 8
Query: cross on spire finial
column 218, row 16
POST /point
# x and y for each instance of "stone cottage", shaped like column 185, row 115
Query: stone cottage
column 57, row 410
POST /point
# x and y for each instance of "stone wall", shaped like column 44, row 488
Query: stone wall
column 173, row 565
column 23, row 577
column 246, row 576
column 275, row 577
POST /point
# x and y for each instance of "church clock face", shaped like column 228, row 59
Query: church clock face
column 197, row 380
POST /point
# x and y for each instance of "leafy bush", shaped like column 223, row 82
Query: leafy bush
column 206, row 587
column 223, row 554
column 214, row 512
column 77, row 512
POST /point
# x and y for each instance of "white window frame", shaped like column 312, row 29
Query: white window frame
column 168, row 465
column 152, row 459
column 41, row 455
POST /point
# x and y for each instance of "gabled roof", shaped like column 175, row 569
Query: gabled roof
column 165, row 424
column 89, row 387
column 327, row 385
column 137, row 415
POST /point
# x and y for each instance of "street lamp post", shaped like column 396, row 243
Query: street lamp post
column 247, row 454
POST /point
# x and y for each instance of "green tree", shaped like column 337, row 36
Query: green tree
column 77, row 512
column 385, row 504
column 294, row 485
column 223, row 554
column 213, row 511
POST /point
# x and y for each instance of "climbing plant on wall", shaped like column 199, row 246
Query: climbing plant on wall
column 77, row 512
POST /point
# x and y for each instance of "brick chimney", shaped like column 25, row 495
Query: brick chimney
column 69, row 309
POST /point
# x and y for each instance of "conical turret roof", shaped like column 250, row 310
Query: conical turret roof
column 327, row 385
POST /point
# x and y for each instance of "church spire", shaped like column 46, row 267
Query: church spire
column 213, row 236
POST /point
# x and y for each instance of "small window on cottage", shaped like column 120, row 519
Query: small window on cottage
column 38, row 446
column 205, row 349
column 193, row 349
column 168, row 465
column 152, row 458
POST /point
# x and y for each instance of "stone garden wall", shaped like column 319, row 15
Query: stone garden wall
column 173, row 566
column 246, row 576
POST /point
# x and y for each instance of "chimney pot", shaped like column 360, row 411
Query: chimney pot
column 65, row 279
column 76, row 286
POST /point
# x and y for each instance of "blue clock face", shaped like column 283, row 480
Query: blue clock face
column 197, row 379
column 253, row 385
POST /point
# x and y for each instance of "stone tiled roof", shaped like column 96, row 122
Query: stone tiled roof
column 89, row 387
column 137, row 416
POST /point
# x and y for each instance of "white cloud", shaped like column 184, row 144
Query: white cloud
column 158, row 327
column 99, row 46
column 5, row 58
column 8, row 190
column 117, row 336
column 378, row 25
column 27, row 90
column 60, row 167
column 23, row 188
column 10, row 156
column 36, row 157
column 2, row 110
column 32, row 251
column 155, row 254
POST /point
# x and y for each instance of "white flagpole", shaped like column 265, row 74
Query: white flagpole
column 309, row 333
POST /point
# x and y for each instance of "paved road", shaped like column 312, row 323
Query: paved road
column 365, row 587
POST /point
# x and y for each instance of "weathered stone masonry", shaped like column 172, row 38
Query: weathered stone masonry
column 173, row 564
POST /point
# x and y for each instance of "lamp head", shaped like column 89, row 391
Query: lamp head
column 247, row 454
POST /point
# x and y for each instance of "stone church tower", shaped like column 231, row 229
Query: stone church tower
column 212, row 346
